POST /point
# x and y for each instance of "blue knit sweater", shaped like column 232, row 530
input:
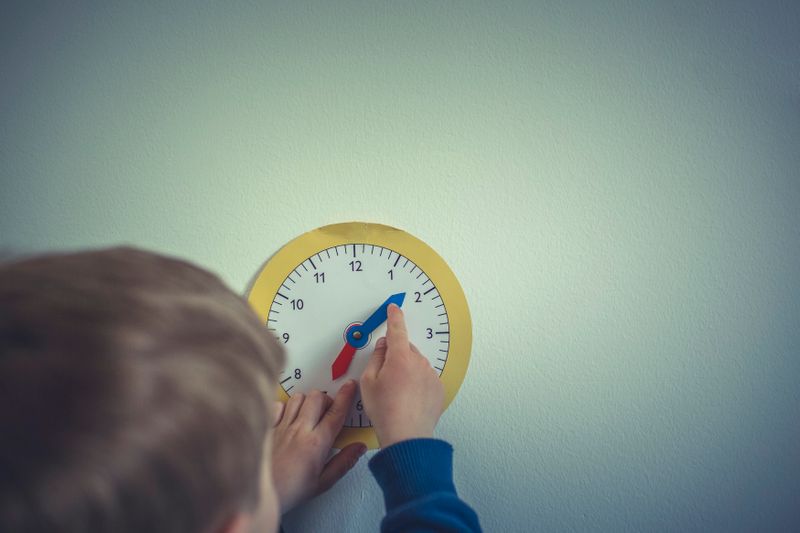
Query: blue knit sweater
column 417, row 481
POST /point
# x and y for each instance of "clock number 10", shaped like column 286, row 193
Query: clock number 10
column 297, row 304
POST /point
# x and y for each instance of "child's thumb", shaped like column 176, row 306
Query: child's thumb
column 340, row 464
column 378, row 358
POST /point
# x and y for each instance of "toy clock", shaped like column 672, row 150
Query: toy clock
column 324, row 296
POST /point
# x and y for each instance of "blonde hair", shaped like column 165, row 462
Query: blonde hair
column 134, row 394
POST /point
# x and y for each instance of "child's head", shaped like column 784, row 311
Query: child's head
column 134, row 395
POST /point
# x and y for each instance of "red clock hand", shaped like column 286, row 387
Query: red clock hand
column 342, row 362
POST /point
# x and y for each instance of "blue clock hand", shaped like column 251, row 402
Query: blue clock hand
column 358, row 336
column 379, row 316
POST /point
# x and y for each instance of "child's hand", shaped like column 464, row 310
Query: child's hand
column 401, row 392
column 302, row 440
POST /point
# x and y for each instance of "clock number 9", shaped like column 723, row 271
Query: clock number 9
column 285, row 338
column 297, row 304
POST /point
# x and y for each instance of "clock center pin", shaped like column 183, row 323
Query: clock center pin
column 355, row 337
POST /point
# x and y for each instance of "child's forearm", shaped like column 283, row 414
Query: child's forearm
column 417, row 481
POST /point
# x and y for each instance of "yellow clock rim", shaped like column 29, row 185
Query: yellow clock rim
column 266, row 284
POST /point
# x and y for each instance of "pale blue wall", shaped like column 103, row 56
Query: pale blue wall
column 617, row 186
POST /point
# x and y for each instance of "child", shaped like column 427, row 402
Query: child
column 134, row 394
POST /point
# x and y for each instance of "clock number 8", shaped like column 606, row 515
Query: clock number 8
column 297, row 373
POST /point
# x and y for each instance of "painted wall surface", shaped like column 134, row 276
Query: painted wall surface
column 616, row 184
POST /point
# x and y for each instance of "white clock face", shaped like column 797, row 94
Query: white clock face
column 341, row 286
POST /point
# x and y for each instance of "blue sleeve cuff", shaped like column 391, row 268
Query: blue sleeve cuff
column 412, row 469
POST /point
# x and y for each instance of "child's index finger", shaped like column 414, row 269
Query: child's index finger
column 396, row 334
